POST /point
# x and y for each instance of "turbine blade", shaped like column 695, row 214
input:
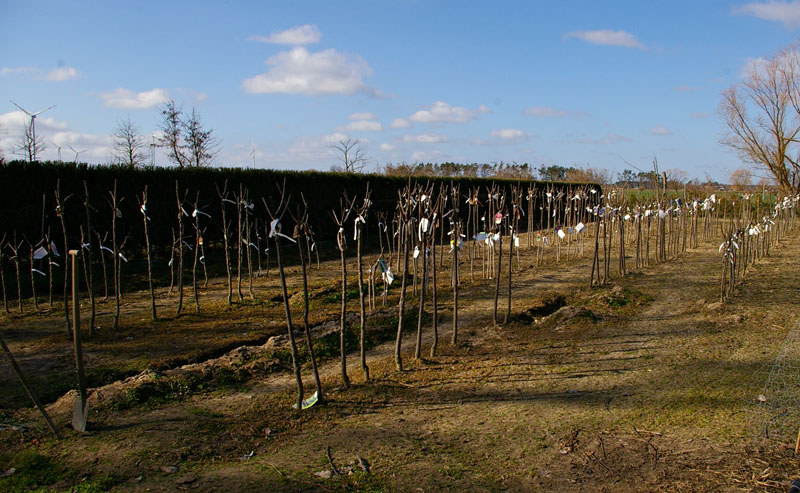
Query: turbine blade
column 42, row 111
column 20, row 107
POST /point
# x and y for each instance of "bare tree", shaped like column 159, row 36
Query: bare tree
column 172, row 133
column 201, row 143
column 29, row 145
column 129, row 146
column 351, row 154
column 762, row 114
column 741, row 178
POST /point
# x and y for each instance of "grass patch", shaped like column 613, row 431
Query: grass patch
column 32, row 471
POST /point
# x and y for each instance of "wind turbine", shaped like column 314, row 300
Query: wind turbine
column 33, row 123
column 59, row 150
column 76, row 153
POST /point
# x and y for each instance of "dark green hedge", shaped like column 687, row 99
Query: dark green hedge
column 23, row 186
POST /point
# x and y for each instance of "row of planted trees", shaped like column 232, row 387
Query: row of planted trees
column 434, row 230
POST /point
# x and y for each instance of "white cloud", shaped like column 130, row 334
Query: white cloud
column 400, row 123
column 127, row 99
column 484, row 109
column 426, row 138
column 508, row 134
column 441, row 112
column 753, row 65
column 62, row 74
column 363, row 126
column 362, row 116
column 607, row 37
column 54, row 134
column 428, row 156
column 608, row 139
column 386, row 147
column 787, row 13
column 300, row 72
column 549, row 112
column 300, row 35
column 660, row 130
column 8, row 71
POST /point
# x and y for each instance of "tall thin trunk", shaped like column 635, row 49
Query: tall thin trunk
column 292, row 344
column 362, row 309
column 306, row 327
column 145, row 220
column 402, row 227
column 86, row 255
column 61, row 214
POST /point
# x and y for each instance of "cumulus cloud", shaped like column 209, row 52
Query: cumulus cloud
column 607, row 37
column 300, row 35
column 300, row 72
column 426, row 138
column 660, row 130
column 8, row 71
column 362, row 116
column 787, row 13
column 400, row 123
column 441, row 112
column 508, row 134
column 386, row 147
column 62, row 74
column 130, row 100
column 428, row 156
column 549, row 112
column 363, row 126
column 55, row 134
column 484, row 109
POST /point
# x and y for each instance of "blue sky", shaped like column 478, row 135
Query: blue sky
column 569, row 83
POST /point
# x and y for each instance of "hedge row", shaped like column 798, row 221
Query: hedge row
column 27, row 196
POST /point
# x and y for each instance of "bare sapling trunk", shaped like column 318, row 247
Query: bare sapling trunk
column 345, row 208
column 15, row 257
column 360, row 221
column 3, row 273
column 198, row 241
column 240, row 236
column 100, row 242
column 115, row 214
column 301, row 231
column 180, row 241
column 146, row 226
column 87, row 258
column 456, row 236
column 60, row 212
column 275, row 233
column 403, row 230
column 223, row 198
column 32, row 273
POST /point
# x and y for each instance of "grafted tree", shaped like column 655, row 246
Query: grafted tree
column 129, row 146
column 762, row 114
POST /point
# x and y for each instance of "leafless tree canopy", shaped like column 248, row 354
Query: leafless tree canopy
column 351, row 154
column 187, row 141
column 129, row 146
column 741, row 178
column 762, row 114
column 29, row 145
column 201, row 143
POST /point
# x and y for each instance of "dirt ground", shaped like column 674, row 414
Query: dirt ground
column 647, row 384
